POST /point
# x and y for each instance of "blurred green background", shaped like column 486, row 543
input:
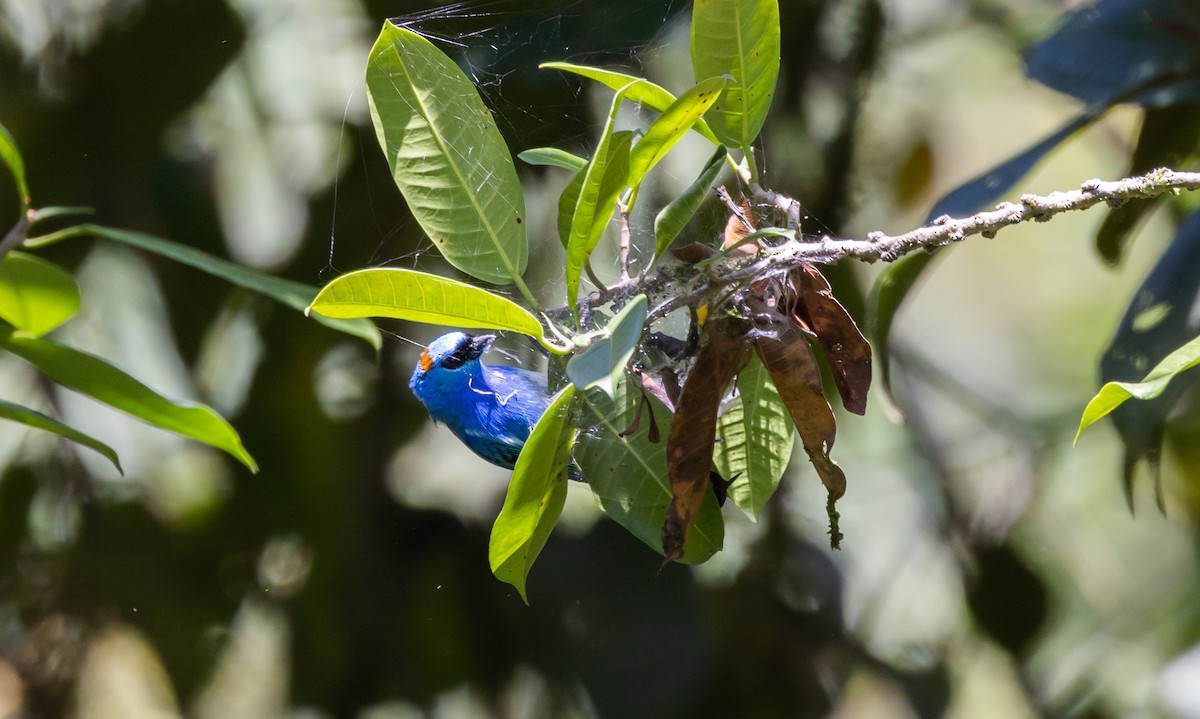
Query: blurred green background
column 989, row 569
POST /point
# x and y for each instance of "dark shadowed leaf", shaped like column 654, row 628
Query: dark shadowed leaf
column 693, row 432
column 1169, row 137
column 789, row 359
column 628, row 474
column 1160, row 319
column 887, row 294
column 674, row 217
column 566, row 206
column 536, row 494
column 755, row 437
column 693, row 252
column 846, row 351
column 11, row 156
column 93, row 376
column 33, row 418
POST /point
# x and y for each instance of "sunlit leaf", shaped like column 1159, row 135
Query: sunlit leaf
column 602, row 365
column 846, row 351
column 669, row 128
column 96, row 378
column 755, row 437
column 643, row 93
column 553, row 157
column 296, row 295
column 566, row 206
column 419, row 297
column 740, row 38
column 11, row 156
column 447, row 156
column 33, row 418
column 675, row 216
column 693, row 431
column 1113, row 394
column 35, row 295
column 628, row 474
column 604, row 179
column 536, row 494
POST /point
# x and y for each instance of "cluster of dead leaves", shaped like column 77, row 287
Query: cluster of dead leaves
column 775, row 318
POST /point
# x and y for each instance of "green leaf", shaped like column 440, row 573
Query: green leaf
column 566, row 206
column 1113, row 394
column 643, row 93
column 95, row 377
column 756, row 440
column 33, row 418
column 536, row 494
column 553, row 157
column 35, row 295
column 628, row 474
column 420, row 297
column 739, row 38
column 12, row 157
column 296, row 295
column 674, row 217
column 669, row 128
column 887, row 294
column 605, row 178
column 602, row 364
column 447, row 156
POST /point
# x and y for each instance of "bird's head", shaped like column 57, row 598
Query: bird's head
column 453, row 352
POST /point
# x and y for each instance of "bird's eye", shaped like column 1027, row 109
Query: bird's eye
column 454, row 360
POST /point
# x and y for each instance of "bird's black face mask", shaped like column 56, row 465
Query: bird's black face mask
column 470, row 348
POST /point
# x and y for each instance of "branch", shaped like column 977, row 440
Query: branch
column 945, row 229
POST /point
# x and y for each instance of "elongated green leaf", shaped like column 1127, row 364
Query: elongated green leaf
column 1113, row 394
column 605, row 178
column 33, row 418
column 536, row 494
column 447, row 157
column 628, row 474
column 738, row 38
column 35, row 295
column 12, row 157
column 603, row 364
column 553, row 157
column 296, row 295
column 643, row 93
column 669, row 128
column 420, row 297
column 95, row 377
column 756, row 440
column 674, row 217
column 566, row 206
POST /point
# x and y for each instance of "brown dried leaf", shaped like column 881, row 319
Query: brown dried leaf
column 846, row 350
column 693, row 253
column 690, row 443
column 793, row 368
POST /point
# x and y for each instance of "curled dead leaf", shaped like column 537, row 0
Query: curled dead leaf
column 846, row 350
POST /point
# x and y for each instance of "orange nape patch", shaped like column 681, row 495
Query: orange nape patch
column 426, row 361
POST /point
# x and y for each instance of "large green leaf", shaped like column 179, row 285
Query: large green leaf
column 11, row 156
column 604, row 179
column 674, row 217
column 93, row 376
column 35, row 295
column 33, row 418
column 447, row 156
column 602, row 364
column 296, row 295
column 739, row 38
column 643, row 93
column 756, row 437
column 536, row 494
column 419, row 297
column 669, row 128
column 628, row 474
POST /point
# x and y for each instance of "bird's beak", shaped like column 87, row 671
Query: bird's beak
column 479, row 344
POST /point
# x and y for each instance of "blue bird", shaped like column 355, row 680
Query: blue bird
column 491, row 409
